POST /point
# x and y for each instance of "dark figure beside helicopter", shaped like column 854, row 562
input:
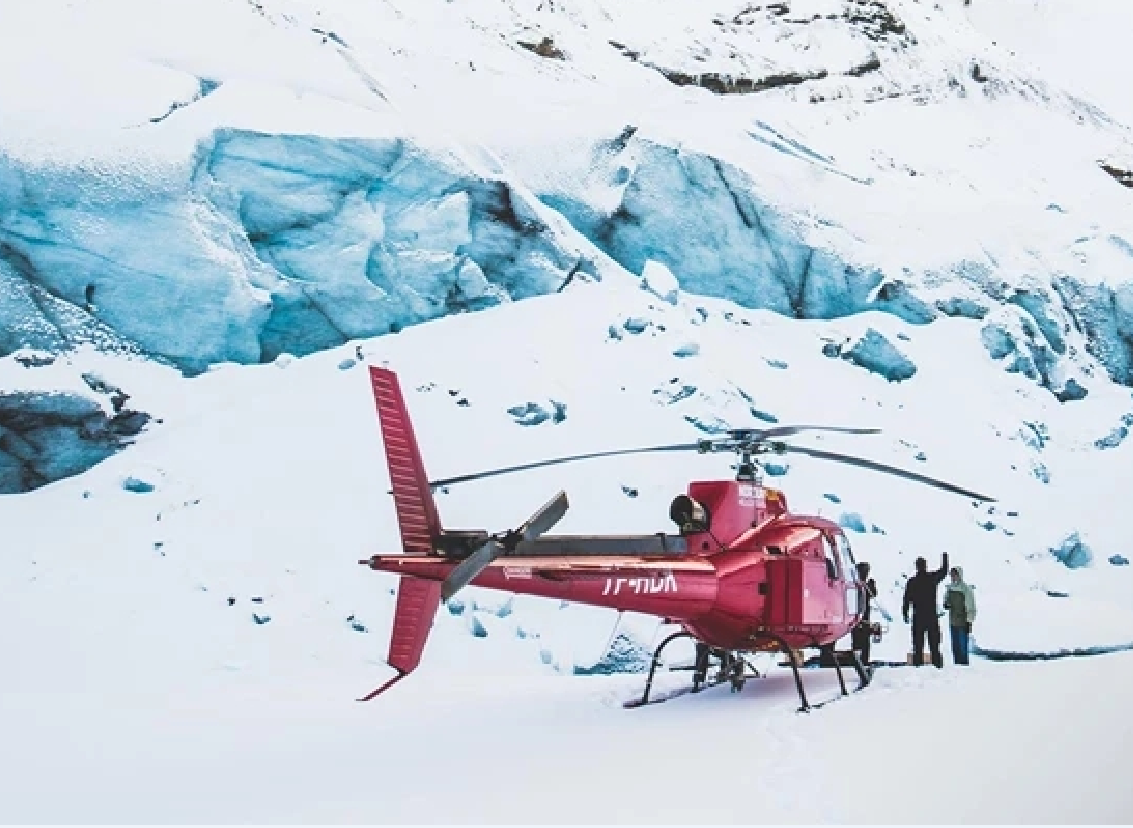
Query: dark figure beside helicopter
column 863, row 633
column 920, row 595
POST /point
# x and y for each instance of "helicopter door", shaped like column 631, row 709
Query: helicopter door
column 850, row 574
column 834, row 575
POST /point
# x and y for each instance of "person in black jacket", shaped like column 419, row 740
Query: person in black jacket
column 860, row 636
column 920, row 594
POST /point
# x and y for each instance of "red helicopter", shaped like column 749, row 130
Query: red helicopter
column 743, row 575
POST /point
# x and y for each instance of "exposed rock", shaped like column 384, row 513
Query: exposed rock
column 870, row 64
column 1123, row 177
column 544, row 48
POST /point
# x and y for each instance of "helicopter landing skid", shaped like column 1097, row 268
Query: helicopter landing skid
column 863, row 673
column 732, row 670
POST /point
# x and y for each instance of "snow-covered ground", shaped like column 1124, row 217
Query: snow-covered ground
column 132, row 627
column 216, row 214
column 1018, row 743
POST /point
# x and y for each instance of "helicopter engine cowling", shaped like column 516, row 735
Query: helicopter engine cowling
column 690, row 515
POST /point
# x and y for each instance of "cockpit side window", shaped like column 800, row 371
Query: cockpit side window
column 846, row 557
column 831, row 559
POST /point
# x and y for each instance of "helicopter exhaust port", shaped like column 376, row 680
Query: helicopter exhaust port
column 690, row 515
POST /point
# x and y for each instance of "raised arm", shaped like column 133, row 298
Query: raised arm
column 942, row 573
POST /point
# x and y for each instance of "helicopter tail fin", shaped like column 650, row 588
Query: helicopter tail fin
column 417, row 517
column 418, row 522
column 417, row 603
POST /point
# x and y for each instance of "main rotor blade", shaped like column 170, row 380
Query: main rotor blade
column 469, row 568
column 761, row 434
column 464, row 478
column 870, row 464
column 551, row 513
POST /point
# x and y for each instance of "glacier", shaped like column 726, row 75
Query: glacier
column 568, row 226
column 265, row 244
column 238, row 224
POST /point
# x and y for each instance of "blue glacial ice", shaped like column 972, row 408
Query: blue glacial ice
column 706, row 221
column 1073, row 552
column 263, row 244
column 49, row 435
column 875, row 353
column 625, row 655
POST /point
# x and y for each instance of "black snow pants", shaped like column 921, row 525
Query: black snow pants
column 931, row 628
column 860, row 640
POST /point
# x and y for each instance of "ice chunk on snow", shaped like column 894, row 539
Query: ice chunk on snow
column 47, row 436
column 660, row 281
column 1073, row 552
column 877, row 354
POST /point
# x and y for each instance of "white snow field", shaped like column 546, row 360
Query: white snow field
column 667, row 219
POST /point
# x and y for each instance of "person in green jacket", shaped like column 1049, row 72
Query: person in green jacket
column 960, row 601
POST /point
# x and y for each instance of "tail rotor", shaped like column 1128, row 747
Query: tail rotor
column 504, row 543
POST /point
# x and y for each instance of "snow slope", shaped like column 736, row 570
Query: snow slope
column 1079, row 45
column 223, row 613
column 216, row 214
